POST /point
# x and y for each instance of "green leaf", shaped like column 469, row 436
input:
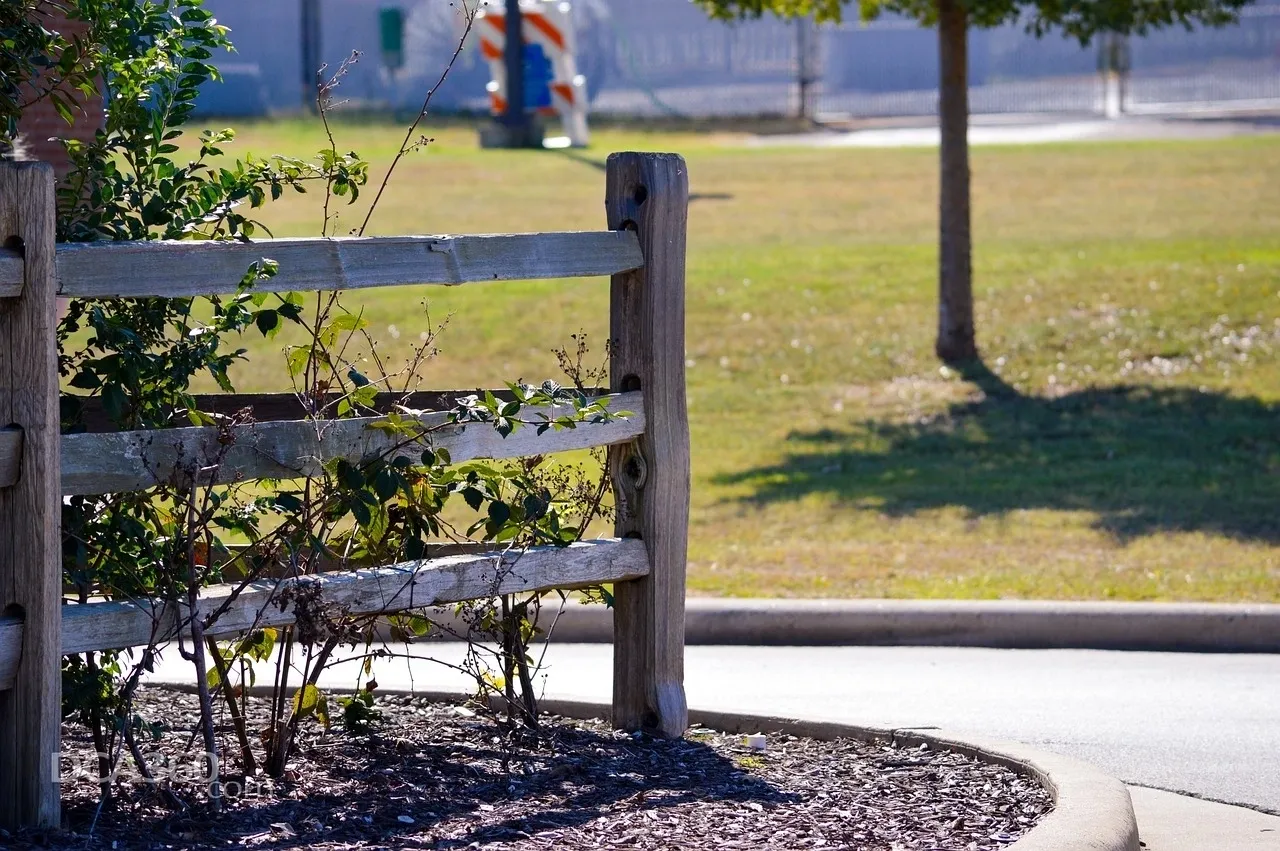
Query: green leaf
column 306, row 700
column 385, row 484
column 259, row 644
column 114, row 402
column 288, row 501
column 387, row 426
column 348, row 322
column 86, row 380
column 499, row 512
column 297, row 360
column 268, row 322
column 350, row 475
column 534, row 507
column 62, row 108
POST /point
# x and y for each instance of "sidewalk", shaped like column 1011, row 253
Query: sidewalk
column 1169, row 822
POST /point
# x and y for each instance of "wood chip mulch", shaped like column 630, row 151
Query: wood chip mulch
column 441, row 776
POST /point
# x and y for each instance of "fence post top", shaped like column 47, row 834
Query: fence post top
column 619, row 158
column 642, row 186
column 27, row 165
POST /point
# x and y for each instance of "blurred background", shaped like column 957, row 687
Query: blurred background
column 666, row 58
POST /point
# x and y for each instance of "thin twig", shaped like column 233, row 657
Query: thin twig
column 248, row 763
column 469, row 14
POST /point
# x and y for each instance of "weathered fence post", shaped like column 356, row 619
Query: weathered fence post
column 650, row 193
column 31, row 507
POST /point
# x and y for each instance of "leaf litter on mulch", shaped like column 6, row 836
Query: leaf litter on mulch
column 442, row 776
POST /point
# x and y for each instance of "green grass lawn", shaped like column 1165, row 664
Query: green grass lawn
column 1122, row 440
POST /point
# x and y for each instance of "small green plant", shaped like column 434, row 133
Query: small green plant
column 359, row 714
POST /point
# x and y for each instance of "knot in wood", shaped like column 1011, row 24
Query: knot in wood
column 636, row 469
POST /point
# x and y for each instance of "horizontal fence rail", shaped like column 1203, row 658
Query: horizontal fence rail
column 91, row 414
column 113, row 625
column 174, row 269
column 134, row 460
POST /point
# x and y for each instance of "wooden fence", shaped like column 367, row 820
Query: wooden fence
column 643, row 249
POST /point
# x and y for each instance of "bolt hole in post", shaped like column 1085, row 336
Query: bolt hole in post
column 635, row 469
column 14, row 611
column 630, row 383
column 15, row 244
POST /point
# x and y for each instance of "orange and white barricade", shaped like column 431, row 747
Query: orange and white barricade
column 553, row 85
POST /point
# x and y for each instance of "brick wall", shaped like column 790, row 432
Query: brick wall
column 41, row 124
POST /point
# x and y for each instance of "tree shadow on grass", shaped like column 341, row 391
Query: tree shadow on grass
column 1145, row 460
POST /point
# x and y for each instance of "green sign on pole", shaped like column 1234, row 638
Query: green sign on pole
column 391, row 28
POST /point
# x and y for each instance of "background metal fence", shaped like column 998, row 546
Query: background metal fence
column 664, row 57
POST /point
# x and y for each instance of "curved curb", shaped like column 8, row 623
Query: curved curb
column 1091, row 810
column 1025, row 624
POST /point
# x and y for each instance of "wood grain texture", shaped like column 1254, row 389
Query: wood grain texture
column 192, row 268
column 132, row 460
column 10, row 273
column 650, row 193
column 31, row 510
column 10, row 649
column 394, row 588
column 10, row 455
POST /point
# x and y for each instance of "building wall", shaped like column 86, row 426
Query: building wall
column 42, row 126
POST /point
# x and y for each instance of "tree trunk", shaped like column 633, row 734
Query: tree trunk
column 311, row 34
column 955, row 273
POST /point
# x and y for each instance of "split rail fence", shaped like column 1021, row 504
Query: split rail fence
column 643, row 250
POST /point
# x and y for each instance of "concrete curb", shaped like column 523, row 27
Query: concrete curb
column 1028, row 624
column 1091, row 809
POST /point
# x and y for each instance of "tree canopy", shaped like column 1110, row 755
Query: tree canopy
column 1080, row 19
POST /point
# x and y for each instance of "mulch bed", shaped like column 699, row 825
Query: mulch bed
column 441, row 776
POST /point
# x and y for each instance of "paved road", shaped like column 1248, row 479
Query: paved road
column 1207, row 725
column 1033, row 129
